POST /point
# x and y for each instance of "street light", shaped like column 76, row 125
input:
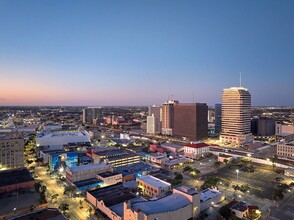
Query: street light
column 237, row 171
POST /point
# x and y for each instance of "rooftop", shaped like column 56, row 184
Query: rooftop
column 158, row 183
column 208, row 194
column 117, row 154
column 240, row 206
column 62, row 134
column 135, row 168
column 196, row 145
column 108, row 174
column 88, row 167
column 9, row 177
column 187, row 190
column 171, row 145
column 87, row 182
column 112, row 195
column 49, row 214
column 167, row 204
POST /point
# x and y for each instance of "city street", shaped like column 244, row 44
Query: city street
column 53, row 188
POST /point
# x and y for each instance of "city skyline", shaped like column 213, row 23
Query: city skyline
column 129, row 53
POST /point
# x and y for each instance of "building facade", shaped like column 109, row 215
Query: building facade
column 195, row 150
column 154, row 120
column 117, row 157
column 11, row 151
column 153, row 187
column 286, row 150
column 263, row 126
column 168, row 117
column 236, row 116
column 190, row 121
column 89, row 171
column 218, row 118
column 91, row 115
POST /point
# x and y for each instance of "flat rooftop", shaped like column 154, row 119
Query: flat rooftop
column 108, row 174
column 112, row 195
column 135, row 168
column 87, row 182
column 187, row 190
column 117, row 154
column 88, row 167
column 62, row 134
column 151, row 180
column 176, row 146
column 240, row 206
column 208, row 194
column 9, row 177
column 167, row 204
column 49, row 214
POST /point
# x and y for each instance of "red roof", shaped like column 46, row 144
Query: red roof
column 198, row 145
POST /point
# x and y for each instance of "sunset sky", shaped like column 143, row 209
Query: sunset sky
column 58, row 52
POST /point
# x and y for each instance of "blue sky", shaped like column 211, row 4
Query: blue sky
column 143, row 52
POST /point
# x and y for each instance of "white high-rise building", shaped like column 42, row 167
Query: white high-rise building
column 153, row 120
column 236, row 116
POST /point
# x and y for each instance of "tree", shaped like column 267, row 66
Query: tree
column 178, row 176
column 70, row 190
column 37, row 186
column 54, row 196
column 63, row 207
column 217, row 164
column 187, row 168
column 81, row 204
column 211, row 182
column 226, row 161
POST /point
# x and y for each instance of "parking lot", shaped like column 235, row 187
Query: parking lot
column 260, row 181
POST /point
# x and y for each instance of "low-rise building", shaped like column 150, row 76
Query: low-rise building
column 153, row 187
column 195, row 150
column 133, row 171
column 157, row 158
column 108, row 198
column 79, row 173
column 118, row 157
column 183, row 203
column 174, row 148
column 210, row 197
column 11, row 180
column 289, row 172
column 110, row 178
column 57, row 139
column 286, row 150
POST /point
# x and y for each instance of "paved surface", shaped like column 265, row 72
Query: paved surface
column 53, row 188
column 260, row 182
column 20, row 201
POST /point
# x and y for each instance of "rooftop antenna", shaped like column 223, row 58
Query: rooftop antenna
column 240, row 79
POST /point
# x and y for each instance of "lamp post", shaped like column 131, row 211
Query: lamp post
column 237, row 171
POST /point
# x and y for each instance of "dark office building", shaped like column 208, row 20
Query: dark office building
column 263, row 126
column 218, row 118
column 190, row 121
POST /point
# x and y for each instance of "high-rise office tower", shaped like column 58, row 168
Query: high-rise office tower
column 154, row 120
column 168, row 117
column 263, row 126
column 91, row 115
column 236, row 116
column 191, row 120
column 11, row 151
column 218, row 118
